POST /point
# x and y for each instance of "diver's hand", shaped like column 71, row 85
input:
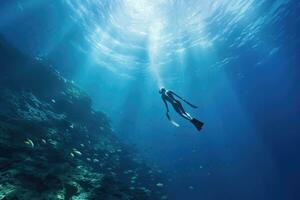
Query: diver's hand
column 167, row 114
column 193, row 106
column 169, row 118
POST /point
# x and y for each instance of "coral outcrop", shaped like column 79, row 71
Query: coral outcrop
column 53, row 145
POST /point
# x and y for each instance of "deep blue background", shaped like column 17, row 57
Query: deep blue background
column 250, row 105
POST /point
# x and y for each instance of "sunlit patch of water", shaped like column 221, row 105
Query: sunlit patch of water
column 130, row 37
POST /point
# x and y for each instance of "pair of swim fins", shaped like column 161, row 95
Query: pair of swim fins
column 198, row 124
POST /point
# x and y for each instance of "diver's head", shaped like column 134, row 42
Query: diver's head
column 162, row 90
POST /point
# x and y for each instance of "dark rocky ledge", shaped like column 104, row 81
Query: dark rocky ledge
column 53, row 145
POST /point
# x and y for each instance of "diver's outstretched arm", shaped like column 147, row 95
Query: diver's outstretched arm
column 171, row 120
column 193, row 106
column 167, row 114
column 165, row 104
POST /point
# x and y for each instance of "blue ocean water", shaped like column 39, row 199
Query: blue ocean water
column 237, row 60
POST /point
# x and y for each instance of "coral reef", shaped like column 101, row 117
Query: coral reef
column 53, row 145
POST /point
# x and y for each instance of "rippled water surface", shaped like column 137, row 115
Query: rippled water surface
column 127, row 36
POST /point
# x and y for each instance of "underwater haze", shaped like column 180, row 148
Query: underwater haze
column 237, row 60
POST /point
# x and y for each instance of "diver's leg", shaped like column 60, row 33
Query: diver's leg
column 180, row 110
column 187, row 115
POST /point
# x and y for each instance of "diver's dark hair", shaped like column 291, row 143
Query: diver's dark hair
column 162, row 89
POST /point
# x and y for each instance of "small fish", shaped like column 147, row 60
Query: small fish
column 72, row 154
column 88, row 159
column 77, row 152
column 82, row 145
column 191, row 187
column 95, row 160
column 53, row 142
column 53, row 101
column 29, row 142
column 159, row 185
column 44, row 141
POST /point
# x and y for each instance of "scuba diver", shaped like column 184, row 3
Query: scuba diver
column 168, row 96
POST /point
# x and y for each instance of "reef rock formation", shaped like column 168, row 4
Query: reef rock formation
column 53, row 145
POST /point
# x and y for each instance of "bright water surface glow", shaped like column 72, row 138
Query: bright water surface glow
column 145, row 36
column 159, row 29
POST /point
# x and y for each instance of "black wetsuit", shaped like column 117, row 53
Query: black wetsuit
column 168, row 96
